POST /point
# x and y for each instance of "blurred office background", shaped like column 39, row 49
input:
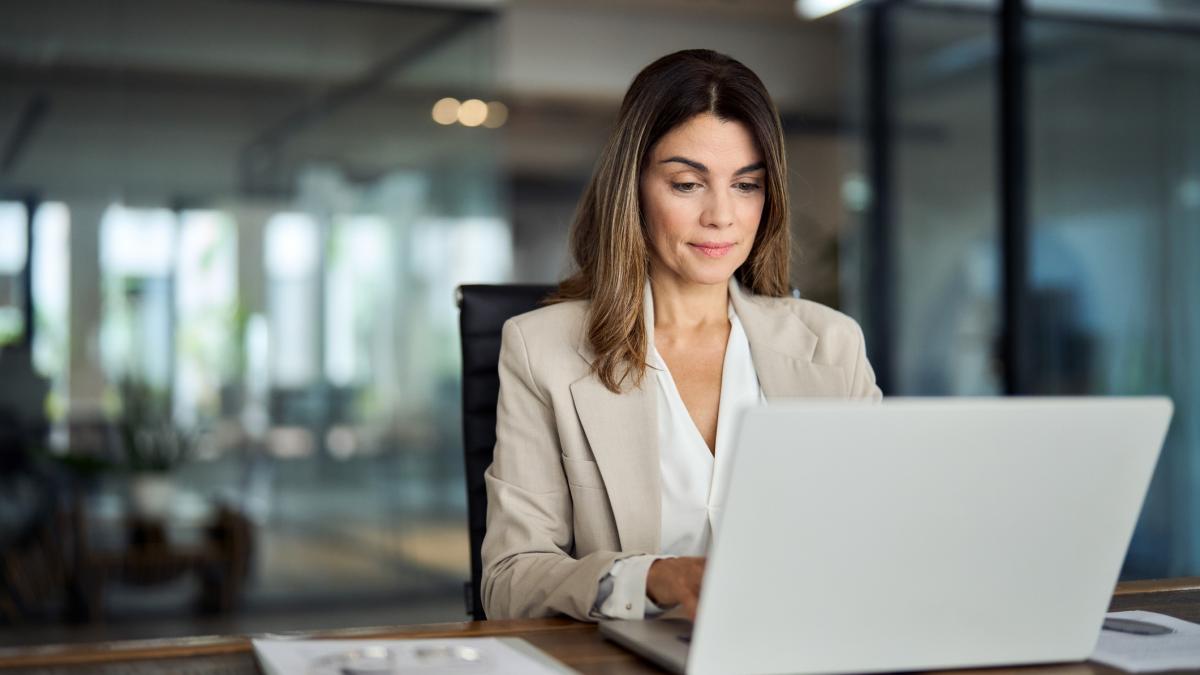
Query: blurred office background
column 230, row 233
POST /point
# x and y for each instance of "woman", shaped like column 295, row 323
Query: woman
column 614, row 422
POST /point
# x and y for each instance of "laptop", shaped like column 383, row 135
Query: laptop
column 916, row 534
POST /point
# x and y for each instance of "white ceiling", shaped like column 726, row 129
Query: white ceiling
column 150, row 97
column 159, row 98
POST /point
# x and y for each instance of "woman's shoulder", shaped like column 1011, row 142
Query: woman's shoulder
column 552, row 317
column 836, row 338
column 551, row 327
column 822, row 320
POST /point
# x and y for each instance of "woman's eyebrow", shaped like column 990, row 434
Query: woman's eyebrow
column 750, row 167
column 704, row 169
column 690, row 162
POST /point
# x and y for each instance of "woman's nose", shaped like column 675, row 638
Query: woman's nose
column 718, row 212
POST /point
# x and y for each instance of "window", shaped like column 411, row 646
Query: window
column 14, row 246
column 293, row 243
column 51, row 257
column 137, row 254
column 358, row 300
column 206, row 308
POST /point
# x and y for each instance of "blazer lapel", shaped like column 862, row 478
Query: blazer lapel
column 782, row 348
column 621, row 429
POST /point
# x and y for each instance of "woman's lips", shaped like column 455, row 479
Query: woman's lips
column 713, row 249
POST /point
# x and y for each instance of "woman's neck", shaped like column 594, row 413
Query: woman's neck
column 682, row 305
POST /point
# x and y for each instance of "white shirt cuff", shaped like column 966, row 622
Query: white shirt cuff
column 626, row 586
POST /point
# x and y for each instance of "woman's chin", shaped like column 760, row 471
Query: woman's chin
column 709, row 277
column 704, row 272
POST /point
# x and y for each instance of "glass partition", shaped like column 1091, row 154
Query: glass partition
column 1115, row 217
column 946, row 241
column 1113, row 182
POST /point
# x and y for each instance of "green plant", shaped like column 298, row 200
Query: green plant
column 150, row 440
column 78, row 465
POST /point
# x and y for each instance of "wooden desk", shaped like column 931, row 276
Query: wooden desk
column 579, row 645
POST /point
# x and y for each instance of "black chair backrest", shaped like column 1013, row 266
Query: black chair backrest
column 482, row 313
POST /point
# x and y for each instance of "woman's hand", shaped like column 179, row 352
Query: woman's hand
column 676, row 581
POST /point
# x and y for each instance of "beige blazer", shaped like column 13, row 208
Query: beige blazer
column 574, row 482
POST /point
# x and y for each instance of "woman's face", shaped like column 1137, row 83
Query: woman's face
column 702, row 194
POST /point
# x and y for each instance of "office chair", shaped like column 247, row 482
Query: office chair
column 482, row 313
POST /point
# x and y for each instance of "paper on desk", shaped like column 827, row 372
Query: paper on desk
column 1149, row 653
column 497, row 655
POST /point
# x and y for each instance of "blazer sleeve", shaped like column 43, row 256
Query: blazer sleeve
column 528, row 567
column 862, row 379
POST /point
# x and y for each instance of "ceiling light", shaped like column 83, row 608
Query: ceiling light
column 445, row 111
column 497, row 115
column 815, row 9
column 472, row 112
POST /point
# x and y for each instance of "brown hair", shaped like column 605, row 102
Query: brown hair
column 608, row 236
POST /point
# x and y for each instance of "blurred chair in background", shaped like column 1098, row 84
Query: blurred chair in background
column 52, row 553
column 30, row 556
column 482, row 313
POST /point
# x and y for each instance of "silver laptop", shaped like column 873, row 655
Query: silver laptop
column 916, row 534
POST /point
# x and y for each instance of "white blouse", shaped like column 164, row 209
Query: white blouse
column 694, row 482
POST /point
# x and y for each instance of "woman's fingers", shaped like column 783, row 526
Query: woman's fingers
column 676, row 581
column 694, row 579
column 691, row 605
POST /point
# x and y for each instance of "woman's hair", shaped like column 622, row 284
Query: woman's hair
column 609, row 239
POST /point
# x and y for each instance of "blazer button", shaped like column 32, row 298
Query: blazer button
column 629, row 606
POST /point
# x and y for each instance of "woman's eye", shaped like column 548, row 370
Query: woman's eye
column 748, row 187
column 685, row 187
